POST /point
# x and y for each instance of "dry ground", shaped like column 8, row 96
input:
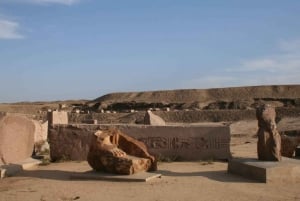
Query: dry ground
column 190, row 181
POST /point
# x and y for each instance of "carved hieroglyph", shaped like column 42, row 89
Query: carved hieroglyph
column 269, row 140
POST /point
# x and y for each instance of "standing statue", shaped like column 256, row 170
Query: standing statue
column 269, row 140
column 115, row 152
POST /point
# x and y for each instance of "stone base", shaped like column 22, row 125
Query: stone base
column 93, row 175
column 286, row 171
column 119, row 165
column 12, row 169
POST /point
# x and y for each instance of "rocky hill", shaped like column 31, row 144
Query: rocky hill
column 178, row 106
column 199, row 99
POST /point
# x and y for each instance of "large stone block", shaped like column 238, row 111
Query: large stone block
column 154, row 120
column 58, row 117
column 16, row 138
column 285, row 171
column 199, row 142
column 70, row 142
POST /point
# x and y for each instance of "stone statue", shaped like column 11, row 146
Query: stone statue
column 269, row 140
column 113, row 151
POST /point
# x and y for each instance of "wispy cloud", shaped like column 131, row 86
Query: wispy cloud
column 287, row 59
column 9, row 30
column 64, row 2
column 280, row 68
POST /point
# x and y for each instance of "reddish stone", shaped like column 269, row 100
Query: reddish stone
column 115, row 152
column 269, row 140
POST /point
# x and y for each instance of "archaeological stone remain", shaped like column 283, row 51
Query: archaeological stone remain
column 115, row 152
column 269, row 140
column 176, row 142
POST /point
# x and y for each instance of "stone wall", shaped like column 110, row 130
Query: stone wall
column 202, row 142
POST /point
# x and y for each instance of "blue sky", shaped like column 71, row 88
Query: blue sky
column 82, row 49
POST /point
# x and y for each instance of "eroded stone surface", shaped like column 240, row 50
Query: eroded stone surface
column 107, row 153
column 16, row 138
column 269, row 140
column 203, row 142
column 152, row 119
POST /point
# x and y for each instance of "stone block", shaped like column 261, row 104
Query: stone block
column 93, row 175
column 201, row 142
column 154, row 120
column 193, row 142
column 16, row 138
column 70, row 142
column 40, row 131
column 58, row 117
column 285, row 171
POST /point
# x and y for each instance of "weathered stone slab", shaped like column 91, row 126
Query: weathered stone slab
column 93, row 175
column 16, row 138
column 58, row 117
column 194, row 142
column 154, row 120
column 70, row 142
column 285, row 171
column 184, row 142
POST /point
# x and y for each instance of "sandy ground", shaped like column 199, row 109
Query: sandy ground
column 181, row 181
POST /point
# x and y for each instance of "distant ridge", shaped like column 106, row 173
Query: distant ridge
column 205, row 95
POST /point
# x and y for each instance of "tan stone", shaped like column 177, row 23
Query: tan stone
column 178, row 142
column 40, row 136
column 58, row 117
column 152, row 119
column 16, row 138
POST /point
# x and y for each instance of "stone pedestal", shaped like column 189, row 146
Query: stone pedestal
column 285, row 171
column 127, row 165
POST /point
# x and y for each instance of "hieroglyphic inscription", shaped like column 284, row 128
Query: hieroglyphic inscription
column 199, row 143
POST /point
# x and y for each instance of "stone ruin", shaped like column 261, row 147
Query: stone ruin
column 269, row 140
column 20, row 137
column 154, row 120
column 115, row 152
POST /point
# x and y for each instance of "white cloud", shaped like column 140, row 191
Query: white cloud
column 280, row 68
column 287, row 59
column 9, row 30
column 64, row 2
column 292, row 46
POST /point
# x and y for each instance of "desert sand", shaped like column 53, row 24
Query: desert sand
column 180, row 181
column 199, row 180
